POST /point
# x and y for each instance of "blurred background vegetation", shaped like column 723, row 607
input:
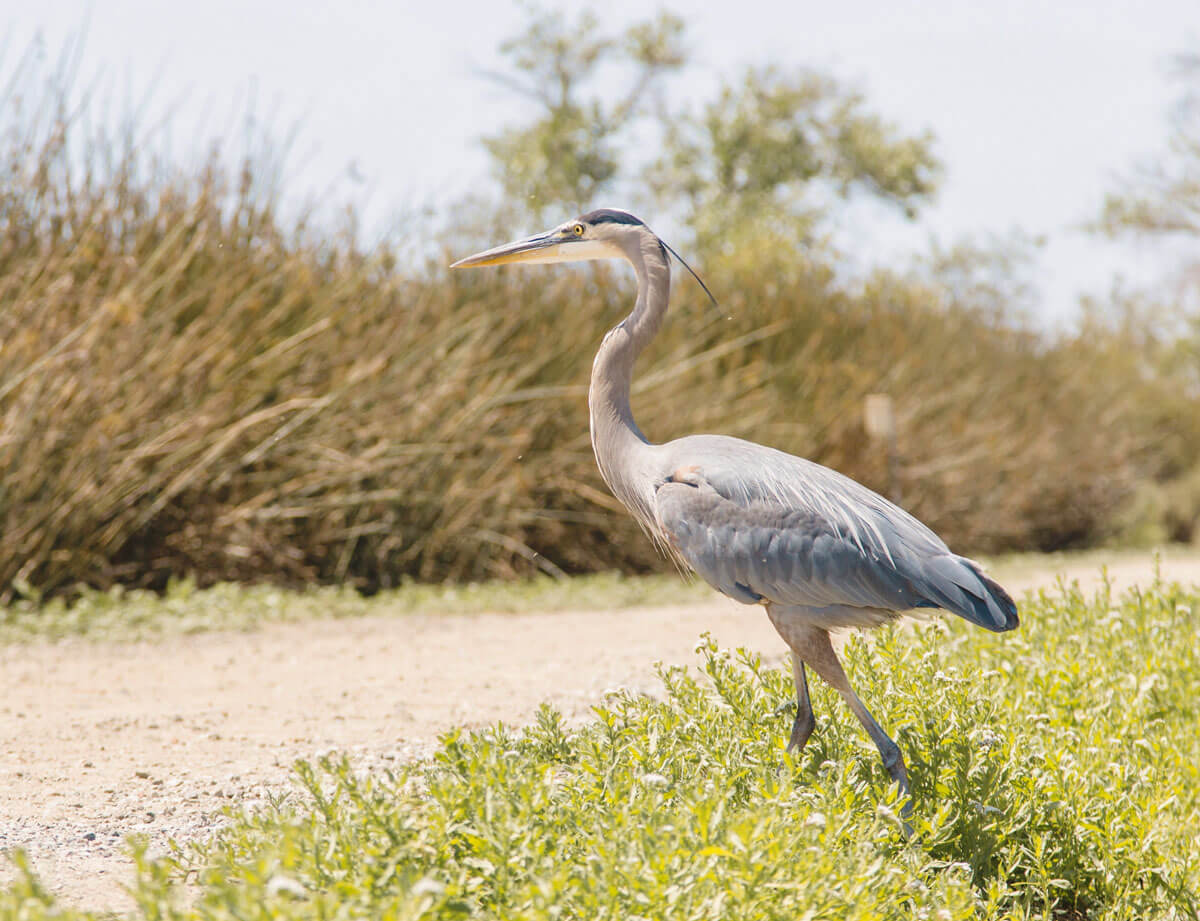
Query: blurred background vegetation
column 193, row 382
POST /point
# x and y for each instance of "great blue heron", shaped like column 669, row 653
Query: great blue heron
column 817, row 549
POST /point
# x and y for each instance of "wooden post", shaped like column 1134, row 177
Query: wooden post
column 879, row 419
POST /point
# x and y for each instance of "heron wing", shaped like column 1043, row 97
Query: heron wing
column 761, row 525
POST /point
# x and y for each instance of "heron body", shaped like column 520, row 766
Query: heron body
column 820, row 551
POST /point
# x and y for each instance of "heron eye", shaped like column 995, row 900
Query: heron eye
column 578, row 228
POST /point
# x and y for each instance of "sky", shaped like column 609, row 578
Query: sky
column 1038, row 108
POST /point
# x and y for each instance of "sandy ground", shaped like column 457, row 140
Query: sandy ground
column 100, row 741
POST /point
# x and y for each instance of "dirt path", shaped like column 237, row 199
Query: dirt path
column 101, row 741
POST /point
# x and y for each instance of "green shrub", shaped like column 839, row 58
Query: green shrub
column 1053, row 770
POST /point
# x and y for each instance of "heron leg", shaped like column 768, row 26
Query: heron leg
column 805, row 722
column 811, row 646
column 819, row 654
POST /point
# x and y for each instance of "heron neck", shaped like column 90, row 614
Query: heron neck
column 616, row 439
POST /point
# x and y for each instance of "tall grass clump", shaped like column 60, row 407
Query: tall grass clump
column 1053, row 770
column 192, row 383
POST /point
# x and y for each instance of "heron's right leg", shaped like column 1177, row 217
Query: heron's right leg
column 805, row 722
column 814, row 646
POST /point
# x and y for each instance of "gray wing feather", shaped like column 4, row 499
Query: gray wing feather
column 761, row 525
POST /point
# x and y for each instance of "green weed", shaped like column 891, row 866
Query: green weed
column 1054, row 776
column 121, row 614
column 183, row 607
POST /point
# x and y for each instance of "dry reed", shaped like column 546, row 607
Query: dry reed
column 189, row 384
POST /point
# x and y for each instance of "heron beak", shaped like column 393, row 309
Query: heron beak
column 542, row 247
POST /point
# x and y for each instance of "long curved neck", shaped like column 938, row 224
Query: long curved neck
column 618, row 443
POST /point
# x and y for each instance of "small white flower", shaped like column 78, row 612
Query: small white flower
column 285, row 885
column 428, row 886
column 987, row 739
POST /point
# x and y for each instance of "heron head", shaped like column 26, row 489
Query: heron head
column 602, row 234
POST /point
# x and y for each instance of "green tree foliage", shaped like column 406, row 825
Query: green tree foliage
column 771, row 153
column 1163, row 197
column 773, row 150
column 569, row 153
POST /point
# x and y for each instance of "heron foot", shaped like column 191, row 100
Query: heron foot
column 802, row 728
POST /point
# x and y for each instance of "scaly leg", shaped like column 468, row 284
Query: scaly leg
column 805, row 722
column 810, row 645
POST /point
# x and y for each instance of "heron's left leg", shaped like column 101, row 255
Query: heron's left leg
column 805, row 722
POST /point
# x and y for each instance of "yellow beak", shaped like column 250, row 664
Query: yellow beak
column 542, row 247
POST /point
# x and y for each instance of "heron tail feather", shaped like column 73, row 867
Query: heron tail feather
column 960, row 586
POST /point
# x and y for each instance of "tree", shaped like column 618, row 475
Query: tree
column 569, row 154
column 1163, row 197
column 774, row 151
column 771, row 154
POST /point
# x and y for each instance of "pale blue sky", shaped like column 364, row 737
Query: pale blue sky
column 1036, row 106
